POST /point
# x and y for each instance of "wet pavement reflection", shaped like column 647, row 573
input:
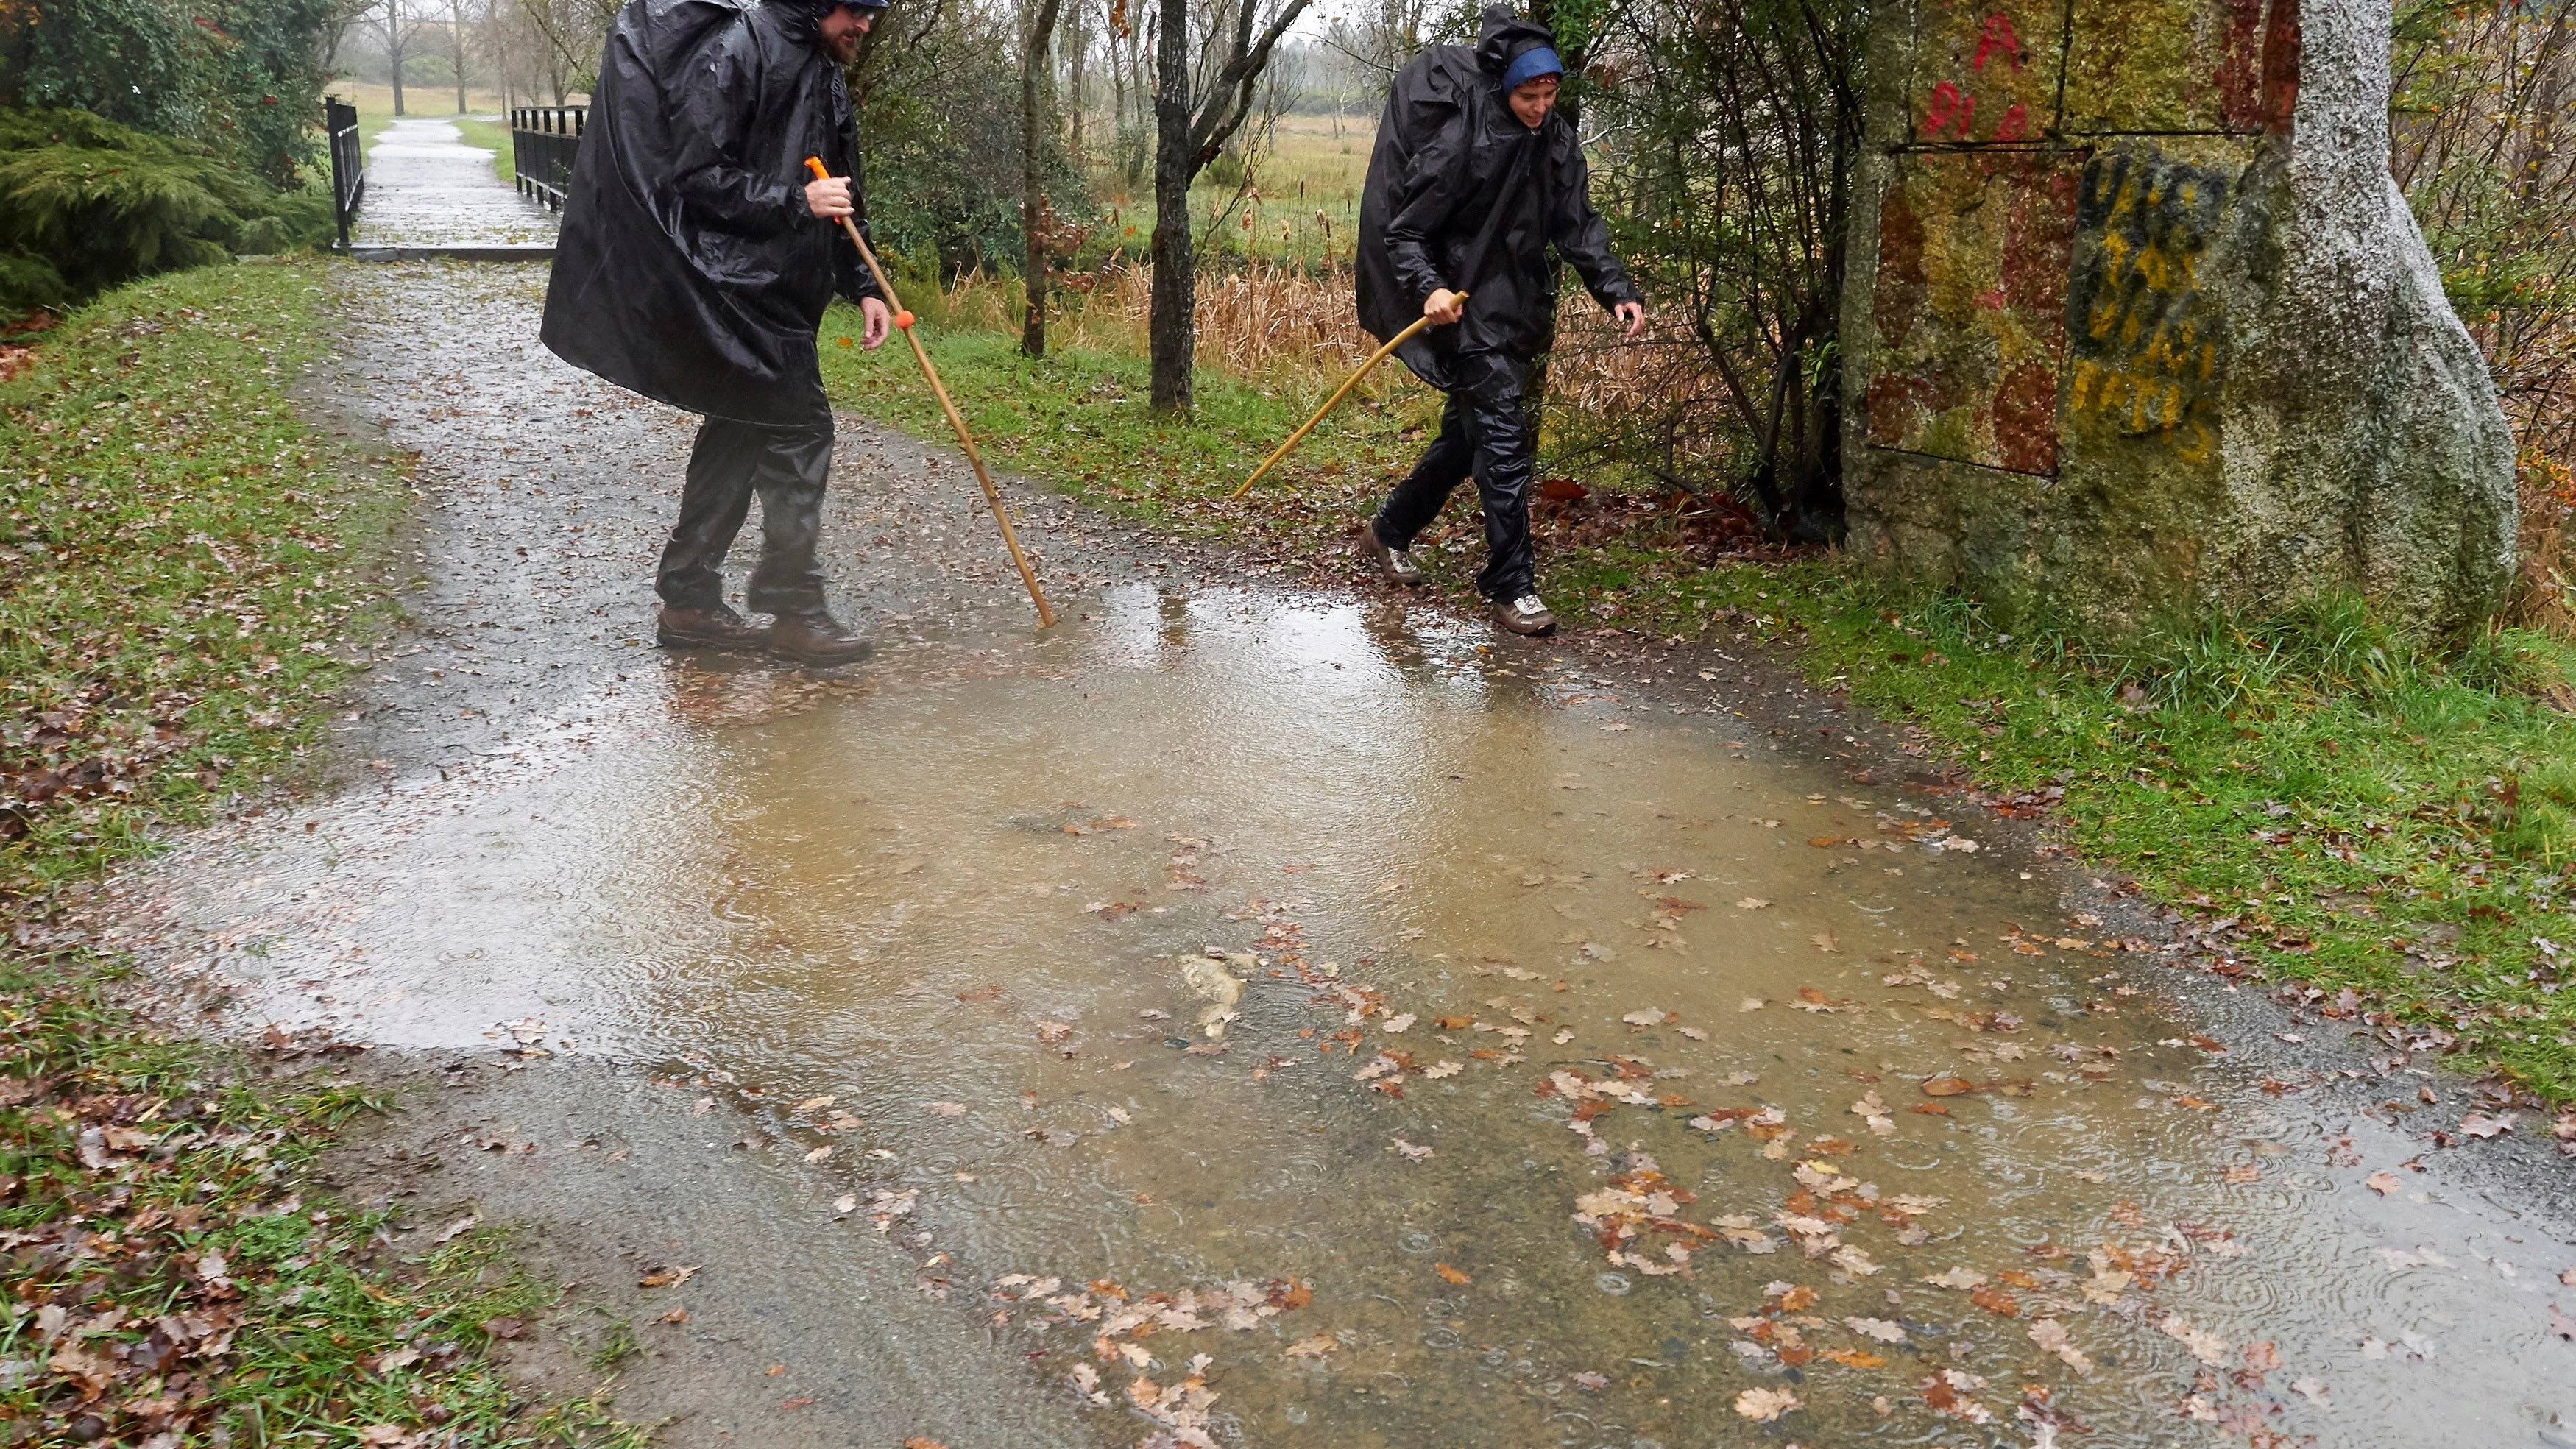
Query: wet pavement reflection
column 1290, row 1024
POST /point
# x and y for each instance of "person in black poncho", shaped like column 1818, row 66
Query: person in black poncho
column 695, row 262
column 1474, row 178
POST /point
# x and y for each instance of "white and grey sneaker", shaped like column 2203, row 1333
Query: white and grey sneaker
column 1524, row 615
column 1395, row 563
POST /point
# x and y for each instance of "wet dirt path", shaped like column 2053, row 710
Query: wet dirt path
column 1280, row 1017
column 426, row 187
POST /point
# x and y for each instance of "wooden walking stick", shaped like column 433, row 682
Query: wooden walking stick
column 1299, row 436
column 965, row 440
column 1480, row 249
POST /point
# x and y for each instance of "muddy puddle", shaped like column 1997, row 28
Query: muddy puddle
column 1281, row 1024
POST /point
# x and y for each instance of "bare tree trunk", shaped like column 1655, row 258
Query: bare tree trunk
column 1171, row 329
column 1076, row 48
column 394, row 48
column 1185, row 141
column 456, row 19
column 1033, row 202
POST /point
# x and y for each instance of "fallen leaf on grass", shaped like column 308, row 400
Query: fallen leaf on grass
column 505, row 1327
column 460, row 1226
column 1764, row 1405
column 668, row 1277
column 1452, row 1275
column 1315, row 1347
column 2384, row 1183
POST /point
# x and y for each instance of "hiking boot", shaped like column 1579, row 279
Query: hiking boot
column 1396, row 564
column 716, row 628
column 1524, row 615
column 816, row 638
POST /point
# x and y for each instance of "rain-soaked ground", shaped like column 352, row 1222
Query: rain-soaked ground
column 1264, row 1015
column 426, row 187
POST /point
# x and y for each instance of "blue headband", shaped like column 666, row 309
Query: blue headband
column 1532, row 64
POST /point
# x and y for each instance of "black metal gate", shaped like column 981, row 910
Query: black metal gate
column 348, row 166
column 543, row 142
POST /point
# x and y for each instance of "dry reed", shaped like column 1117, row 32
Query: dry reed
column 1283, row 326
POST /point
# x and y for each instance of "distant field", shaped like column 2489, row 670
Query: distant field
column 1298, row 201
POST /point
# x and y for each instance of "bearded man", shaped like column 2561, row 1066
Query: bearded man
column 695, row 263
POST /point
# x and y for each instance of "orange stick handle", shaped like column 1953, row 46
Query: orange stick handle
column 956, row 422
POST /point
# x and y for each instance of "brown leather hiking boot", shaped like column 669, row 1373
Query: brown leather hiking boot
column 1524, row 615
column 817, row 639
column 1395, row 565
column 716, row 628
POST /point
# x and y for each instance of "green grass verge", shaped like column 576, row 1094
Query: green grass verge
column 174, row 1274
column 492, row 136
column 180, row 556
column 2364, row 815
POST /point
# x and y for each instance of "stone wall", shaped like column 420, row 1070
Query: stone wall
column 2137, row 320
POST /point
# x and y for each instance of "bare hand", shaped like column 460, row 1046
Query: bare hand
column 878, row 321
column 829, row 198
column 1444, row 307
column 1632, row 313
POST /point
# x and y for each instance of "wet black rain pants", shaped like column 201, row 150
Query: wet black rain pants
column 1484, row 434
column 732, row 461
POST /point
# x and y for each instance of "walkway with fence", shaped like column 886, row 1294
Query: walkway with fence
column 427, row 188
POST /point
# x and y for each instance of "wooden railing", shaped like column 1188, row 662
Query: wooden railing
column 543, row 142
column 348, row 165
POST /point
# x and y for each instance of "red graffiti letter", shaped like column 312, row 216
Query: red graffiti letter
column 2015, row 125
column 1999, row 36
column 1950, row 108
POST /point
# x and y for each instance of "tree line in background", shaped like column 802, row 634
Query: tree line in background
column 1081, row 141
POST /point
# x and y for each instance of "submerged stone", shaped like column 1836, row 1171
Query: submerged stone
column 2137, row 320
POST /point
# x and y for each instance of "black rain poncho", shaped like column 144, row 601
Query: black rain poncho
column 689, row 268
column 1447, row 148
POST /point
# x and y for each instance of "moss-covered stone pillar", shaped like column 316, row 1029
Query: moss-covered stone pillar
column 2137, row 320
